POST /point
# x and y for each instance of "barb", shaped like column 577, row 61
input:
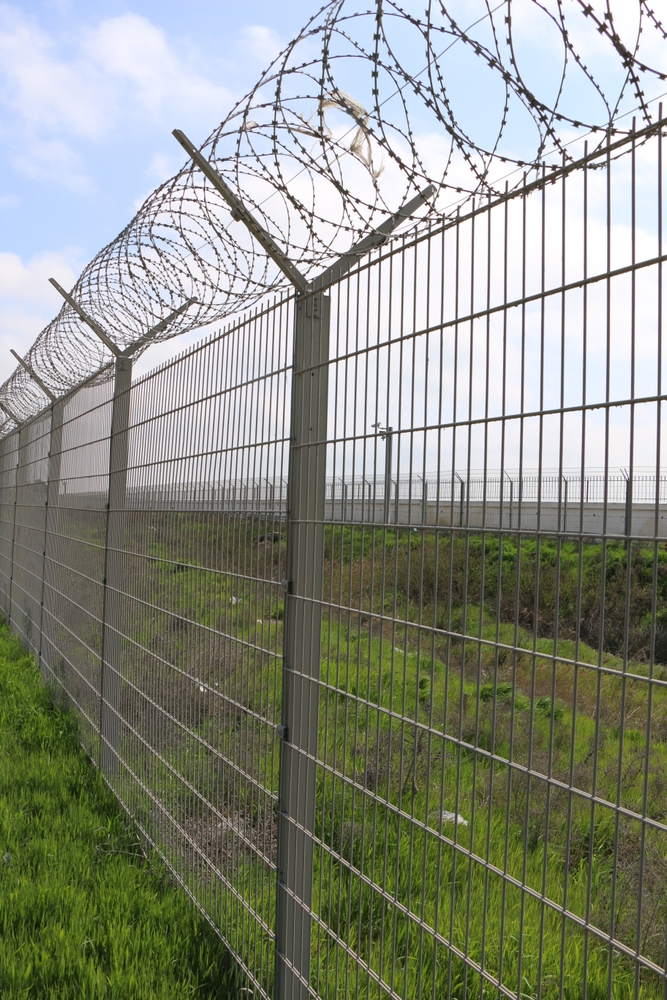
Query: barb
column 364, row 109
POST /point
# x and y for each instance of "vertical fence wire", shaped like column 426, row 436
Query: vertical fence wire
column 390, row 656
column 201, row 645
column 492, row 685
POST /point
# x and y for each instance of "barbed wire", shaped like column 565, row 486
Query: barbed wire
column 366, row 107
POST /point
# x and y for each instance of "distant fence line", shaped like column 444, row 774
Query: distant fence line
column 592, row 505
column 267, row 493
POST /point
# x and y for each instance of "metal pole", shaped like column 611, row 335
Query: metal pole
column 47, row 392
column 461, row 500
column 12, row 416
column 50, row 527
column 112, row 614
column 88, row 320
column 16, row 496
column 388, row 437
column 628, row 508
column 33, row 375
column 110, row 686
column 302, row 647
column 306, row 506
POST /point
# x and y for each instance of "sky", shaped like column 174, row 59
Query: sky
column 89, row 95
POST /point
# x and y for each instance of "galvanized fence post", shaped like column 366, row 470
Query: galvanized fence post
column 16, row 499
column 110, row 686
column 52, row 492
column 5, row 522
column 387, row 435
column 302, row 647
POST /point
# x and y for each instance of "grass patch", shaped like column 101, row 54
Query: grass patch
column 506, row 682
column 411, row 744
column 83, row 912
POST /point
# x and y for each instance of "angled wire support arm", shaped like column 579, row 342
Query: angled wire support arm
column 12, row 416
column 95, row 327
column 33, row 376
column 241, row 214
column 374, row 239
column 154, row 330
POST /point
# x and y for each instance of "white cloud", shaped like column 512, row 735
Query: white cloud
column 121, row 73
column 28, row 301
column 260, row 43
column 42, row 89
column 162, row 167
column 42, row 159
column 136, row 55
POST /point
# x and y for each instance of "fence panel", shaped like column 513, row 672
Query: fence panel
column 491, row 816
column 201, row 643
column 8, row 464
column 29, row 531
column 75, row 554
column 383, row 676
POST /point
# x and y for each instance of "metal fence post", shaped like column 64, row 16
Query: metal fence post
column 388, row 436
column 628, row 510
column 113, row 569
column 16, row 498
column 52, row 492
column 5, row 537
column 302, row 647
column 461, row 499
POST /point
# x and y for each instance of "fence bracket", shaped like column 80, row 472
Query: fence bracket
column 241, row 214
column 88, row 320
column 33, row 375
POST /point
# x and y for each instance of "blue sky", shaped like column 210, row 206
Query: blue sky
column 89, row 94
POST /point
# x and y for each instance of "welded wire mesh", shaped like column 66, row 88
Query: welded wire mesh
column 8, row 463
column 74, row 562
column 409, row 742
column 491, row 806
column 201, row 655
column 29, row 531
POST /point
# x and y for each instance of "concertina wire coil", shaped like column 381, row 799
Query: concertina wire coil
column 364, row 108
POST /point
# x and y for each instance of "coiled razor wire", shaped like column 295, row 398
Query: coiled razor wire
column 366, row 107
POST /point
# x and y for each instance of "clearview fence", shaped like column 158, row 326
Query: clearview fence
column 389, row 750
column 536, row 502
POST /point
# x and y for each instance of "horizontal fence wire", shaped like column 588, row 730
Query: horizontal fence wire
column 369, row 637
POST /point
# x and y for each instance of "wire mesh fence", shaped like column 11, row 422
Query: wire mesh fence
column 396, row 724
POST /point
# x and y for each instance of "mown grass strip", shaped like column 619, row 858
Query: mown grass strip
column 83, row 912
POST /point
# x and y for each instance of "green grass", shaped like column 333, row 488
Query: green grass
column 397, row 842
column 83, row 912
column 445, row 661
